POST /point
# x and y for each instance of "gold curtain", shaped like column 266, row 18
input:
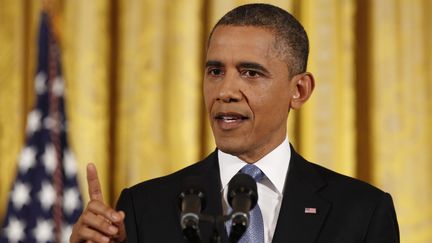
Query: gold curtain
column 400, row 110
column 12, row 93
column 134, row 70
column 18, row 22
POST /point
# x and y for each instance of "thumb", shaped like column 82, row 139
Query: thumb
column 94, row 187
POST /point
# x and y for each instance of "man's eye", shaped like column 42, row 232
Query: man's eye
column 215, row 71
column 251, row 74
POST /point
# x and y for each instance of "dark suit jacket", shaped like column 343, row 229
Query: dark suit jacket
column 347, row 210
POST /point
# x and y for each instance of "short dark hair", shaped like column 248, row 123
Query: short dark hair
column 290, row 37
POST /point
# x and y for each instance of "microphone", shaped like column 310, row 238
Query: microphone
column 191, row 201
column 242, row 197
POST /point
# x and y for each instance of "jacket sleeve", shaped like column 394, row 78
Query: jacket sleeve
column 125, row 204
column 383, row 226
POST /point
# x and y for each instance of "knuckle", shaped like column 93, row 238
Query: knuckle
column 94, row 236
column 86, row 221
column 85, row 217
column 91, row 204
column 94, row 206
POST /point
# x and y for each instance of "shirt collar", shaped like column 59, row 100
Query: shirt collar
column 274, row 165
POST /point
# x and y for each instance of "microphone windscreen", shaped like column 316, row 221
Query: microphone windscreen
column 243, row 184
column 192, row 185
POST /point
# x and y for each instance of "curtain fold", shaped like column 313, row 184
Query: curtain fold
column 139, row 133
column 327, row 129
column 12, row 93
column 159, row 89
column 400, row 117
column 134, row 69
column 86, row 47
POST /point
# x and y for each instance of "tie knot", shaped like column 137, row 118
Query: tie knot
column 254, row 171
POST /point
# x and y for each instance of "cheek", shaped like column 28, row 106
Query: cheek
column 270, row 104
column 263, row 99
column 208, row 95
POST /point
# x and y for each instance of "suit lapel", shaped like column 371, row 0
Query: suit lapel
column 303, row 210
column 214, row 200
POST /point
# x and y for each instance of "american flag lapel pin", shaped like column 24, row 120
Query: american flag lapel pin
column 310, row 211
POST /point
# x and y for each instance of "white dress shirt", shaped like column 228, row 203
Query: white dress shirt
column 270, row 189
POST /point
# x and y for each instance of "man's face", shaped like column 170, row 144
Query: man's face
column 247, row 91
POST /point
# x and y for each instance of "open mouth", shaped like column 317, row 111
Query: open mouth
column 230, row 117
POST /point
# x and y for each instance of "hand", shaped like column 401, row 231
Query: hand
column 98, row 222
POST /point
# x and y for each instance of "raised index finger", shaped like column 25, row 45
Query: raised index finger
column 94, row 187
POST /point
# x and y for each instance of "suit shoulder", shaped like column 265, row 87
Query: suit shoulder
column 161, row 191
column 347, row 186
column 354, row 202
column 175, row 179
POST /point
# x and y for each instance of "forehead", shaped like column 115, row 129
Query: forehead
column 241, row 42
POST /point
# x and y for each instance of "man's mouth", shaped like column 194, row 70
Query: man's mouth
column 230, row 117
column 229, row 121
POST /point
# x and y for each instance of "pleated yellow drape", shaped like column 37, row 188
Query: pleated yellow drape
column 158, row 89
column 134, row 68
column 11, row 97
column 401, row 125
column 87, row 58
column 327, row 129
column 18, row 23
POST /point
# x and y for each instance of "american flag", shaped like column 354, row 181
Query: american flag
column 44, row 201
column 310, row 210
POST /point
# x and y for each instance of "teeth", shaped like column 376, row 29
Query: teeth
column 230, row 119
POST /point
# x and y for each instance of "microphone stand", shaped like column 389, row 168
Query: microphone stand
column 216, row 221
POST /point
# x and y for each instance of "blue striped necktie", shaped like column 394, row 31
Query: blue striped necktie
column 255, row 230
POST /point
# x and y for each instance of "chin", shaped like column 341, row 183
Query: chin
column 233, row 148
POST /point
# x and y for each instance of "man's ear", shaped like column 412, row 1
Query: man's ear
column 303, row 85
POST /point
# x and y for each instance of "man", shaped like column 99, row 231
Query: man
column 255, row 73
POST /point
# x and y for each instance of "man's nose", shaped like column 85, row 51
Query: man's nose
column 229, row 89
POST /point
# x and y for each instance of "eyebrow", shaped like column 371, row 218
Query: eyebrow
column 213, row 64
column 247, row 65
column 253, row 65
